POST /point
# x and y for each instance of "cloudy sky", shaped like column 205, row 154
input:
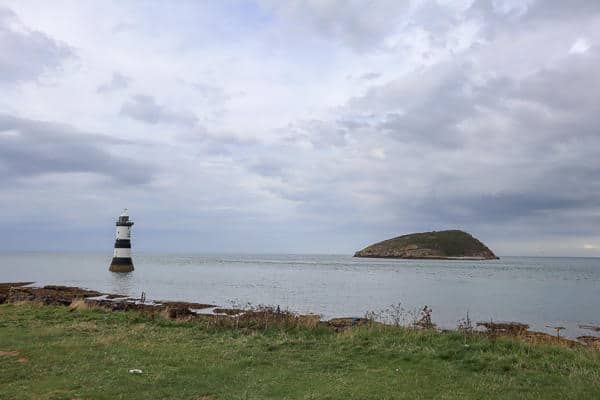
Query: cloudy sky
column 313, row 126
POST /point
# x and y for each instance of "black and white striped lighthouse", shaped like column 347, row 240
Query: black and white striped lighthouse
column 121, row 261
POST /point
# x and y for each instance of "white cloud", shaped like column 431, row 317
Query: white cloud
column 580, row 46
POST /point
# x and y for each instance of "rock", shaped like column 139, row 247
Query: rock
column 51, row 295
column 174, row 312
column 505, row 328
column 451, row 244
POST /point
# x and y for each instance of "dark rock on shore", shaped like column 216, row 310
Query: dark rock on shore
column 50, row 295
column 186, row 304
column 451, row 244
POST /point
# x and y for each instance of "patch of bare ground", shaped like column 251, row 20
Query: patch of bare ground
column 14, row 353
column 182, row 313
column 342, row 323
column 82, row 304
column 9, row 353
column 591, row 341
column 521, row 330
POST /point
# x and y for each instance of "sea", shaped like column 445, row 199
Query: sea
column 543, row 292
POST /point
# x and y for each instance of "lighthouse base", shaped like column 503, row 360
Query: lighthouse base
column 121, row 264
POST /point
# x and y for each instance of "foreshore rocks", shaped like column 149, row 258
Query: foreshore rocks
column 256, row 318
column 49, row 295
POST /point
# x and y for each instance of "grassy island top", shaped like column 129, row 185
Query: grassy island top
column 435, row 244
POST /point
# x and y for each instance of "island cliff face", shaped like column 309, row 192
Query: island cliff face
column 452, row 244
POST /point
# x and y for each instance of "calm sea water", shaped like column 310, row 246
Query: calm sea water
column 538, row 291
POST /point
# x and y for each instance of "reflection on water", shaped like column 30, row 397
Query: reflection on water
column 539, row 291
column 121, row 282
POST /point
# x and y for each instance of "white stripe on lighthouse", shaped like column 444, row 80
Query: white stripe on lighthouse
column 122, row 253
column 123, row 232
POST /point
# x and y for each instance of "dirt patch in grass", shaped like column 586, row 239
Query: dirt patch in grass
column 14, row 353
column 346, row 322
column 9, row 353
column 592, row 341
column 520, row 330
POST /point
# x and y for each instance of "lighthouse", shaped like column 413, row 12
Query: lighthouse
column 121, row 261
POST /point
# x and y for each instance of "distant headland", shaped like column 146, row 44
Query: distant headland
column 451, row 244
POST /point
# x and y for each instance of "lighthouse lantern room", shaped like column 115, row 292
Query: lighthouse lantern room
column 121, row 261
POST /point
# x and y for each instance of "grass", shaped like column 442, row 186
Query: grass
column 51, row 352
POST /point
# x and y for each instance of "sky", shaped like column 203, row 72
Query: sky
column 315, row 126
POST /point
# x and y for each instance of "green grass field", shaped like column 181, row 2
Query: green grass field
column 53, row 353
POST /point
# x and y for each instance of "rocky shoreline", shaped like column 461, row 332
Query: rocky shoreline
column 55, row 295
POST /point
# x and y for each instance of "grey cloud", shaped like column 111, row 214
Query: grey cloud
column 355, row 24
column 144, row 108
column 492, row 208
column 202, row 134
column 216, row 143
column 426, row 113
column 464, row 150
column 268, row 167
column 515, row 17
column 123, row 27
column 568, row 86
column 117, row 82
column 319, row 133
column 559, row 9
column 552, row 103
column 369, row 76
column 210, row 92
column 435, row 17
column 27, row 54
column 31, row 148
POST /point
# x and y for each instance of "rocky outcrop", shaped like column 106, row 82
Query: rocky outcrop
column 451, row 244
column 50, row 295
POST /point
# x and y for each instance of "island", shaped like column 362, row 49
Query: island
column 443, row 245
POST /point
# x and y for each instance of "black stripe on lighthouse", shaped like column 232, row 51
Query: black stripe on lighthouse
column 121, row 261
column 122, row 244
